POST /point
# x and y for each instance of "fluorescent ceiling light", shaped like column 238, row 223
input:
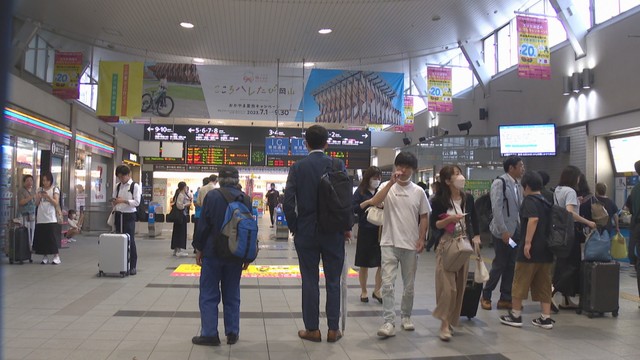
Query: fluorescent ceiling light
column 198, row 60
column 187, row 25
column 325, row 31
column 309, row 64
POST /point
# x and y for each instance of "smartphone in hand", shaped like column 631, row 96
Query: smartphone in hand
column 512, row 243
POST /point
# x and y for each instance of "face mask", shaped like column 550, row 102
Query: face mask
column 459, row 182
column 403, row 181
column 374, row 184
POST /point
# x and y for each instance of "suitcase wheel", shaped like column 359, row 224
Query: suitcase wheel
column 99, row 273
column 614, row 313
column 578, row 311
column 590, row 315
column 10, row 261
column 122, row 273
column 30, row 260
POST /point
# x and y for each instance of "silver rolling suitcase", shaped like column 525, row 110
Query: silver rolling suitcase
column 113, row 254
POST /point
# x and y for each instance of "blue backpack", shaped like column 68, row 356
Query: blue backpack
column 238, row 238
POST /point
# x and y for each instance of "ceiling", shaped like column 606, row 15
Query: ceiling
column 378, row 34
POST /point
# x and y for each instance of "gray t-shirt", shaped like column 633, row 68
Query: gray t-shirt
column 564, row 195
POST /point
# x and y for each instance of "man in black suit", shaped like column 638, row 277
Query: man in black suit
column 300, row 208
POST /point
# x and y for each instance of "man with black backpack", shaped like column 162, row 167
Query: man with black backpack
column 314, row 236
column 506, row 197
column 219, row 276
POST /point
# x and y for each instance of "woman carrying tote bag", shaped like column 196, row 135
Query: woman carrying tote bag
column 453, row 212
column 182, row 201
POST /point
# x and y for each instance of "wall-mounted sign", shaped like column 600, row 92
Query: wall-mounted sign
column 130, row 158
column 276, row 146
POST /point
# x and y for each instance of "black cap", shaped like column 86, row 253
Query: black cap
column 228, row 172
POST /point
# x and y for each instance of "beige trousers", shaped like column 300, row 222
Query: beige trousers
column 449, row 288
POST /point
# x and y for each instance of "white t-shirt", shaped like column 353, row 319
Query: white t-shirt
column 47, row 211
column 402, row 208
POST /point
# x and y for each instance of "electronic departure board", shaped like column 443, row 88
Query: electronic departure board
column 217, row 155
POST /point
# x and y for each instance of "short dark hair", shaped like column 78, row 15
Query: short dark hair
column 422, row 185
column 511, row 161
column 532, row 179
column 273, row 184
column 637, row 166
column 545, row 177
column 122, row 170
column 25, row 177
column 569, row 177
column 213, row 177
column 70, row 212
column 316, row 137
column 205, row 181
column 407, row 159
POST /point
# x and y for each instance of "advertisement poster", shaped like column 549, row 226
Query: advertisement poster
column 330, row 96
column 66, row 74
column 533, row 48
column 173, row 90
column 257, row 201
column 440, row 93
column 408, row 114
column 99, row 182
column 120, row 89
column 160, row 195
column 478, row 188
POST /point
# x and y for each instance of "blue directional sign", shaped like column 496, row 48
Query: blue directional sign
column 298, row 148
column 276, row 146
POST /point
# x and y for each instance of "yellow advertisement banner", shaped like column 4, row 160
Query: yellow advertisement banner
column 120, row 89
column 255, row 271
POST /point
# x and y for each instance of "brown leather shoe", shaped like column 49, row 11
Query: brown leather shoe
column 311, row 335
column 504, row 305
column 485, row 303
column 334, row 335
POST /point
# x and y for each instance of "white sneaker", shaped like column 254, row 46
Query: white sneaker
column 182, row 254
column 407, row 325
column 45, row 260
column 387, row 330
column 56, row 260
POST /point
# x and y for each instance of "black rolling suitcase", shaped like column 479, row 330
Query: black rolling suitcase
column 19, row 250
column 599, row 288
column 471, row 298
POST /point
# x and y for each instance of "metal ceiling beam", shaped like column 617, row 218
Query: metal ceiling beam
column 476, row 62
column 22, row 39
column 574, row 25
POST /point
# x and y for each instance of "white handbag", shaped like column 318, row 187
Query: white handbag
column 111, row 220
column 482, row 274
column 375, row 215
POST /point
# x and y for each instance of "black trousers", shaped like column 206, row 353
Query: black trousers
column 272, row 213
column 128, row 221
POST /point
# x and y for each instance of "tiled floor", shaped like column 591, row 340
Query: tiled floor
column 67, row 312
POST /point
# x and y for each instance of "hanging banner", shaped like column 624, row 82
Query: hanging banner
column 408, row 114
column 439, row 84
column 66, row 74
column 120, row 89
column 176, row 90
column 330, row 96
column 533, row 48
column 354, row 97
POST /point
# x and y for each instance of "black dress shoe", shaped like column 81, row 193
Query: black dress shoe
column 133, row 271
column 206, row 340
column 232, row 339
column 364, row 299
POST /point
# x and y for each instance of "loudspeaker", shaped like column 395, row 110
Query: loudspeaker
column 483, row 114
column 564, row 144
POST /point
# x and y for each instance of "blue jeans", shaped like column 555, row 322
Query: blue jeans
column 503, row 267
column 217, row 275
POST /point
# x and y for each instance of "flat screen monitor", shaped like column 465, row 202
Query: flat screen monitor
column 624, row 152
column 528, row 140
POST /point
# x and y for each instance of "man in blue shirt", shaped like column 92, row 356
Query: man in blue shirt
column 218, row 276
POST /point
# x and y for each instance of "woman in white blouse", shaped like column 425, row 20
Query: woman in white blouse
column 47, row 233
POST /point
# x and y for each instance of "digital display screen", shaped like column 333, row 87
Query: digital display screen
column 623, row 152
column 527, row 140
column 216, row 155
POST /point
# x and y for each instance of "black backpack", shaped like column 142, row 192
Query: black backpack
column 560, row 235
column 141, row 215
column 484, row 209
column 335, row 192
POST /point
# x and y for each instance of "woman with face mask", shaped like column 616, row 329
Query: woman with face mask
column 367, row 246
column 453, row 212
